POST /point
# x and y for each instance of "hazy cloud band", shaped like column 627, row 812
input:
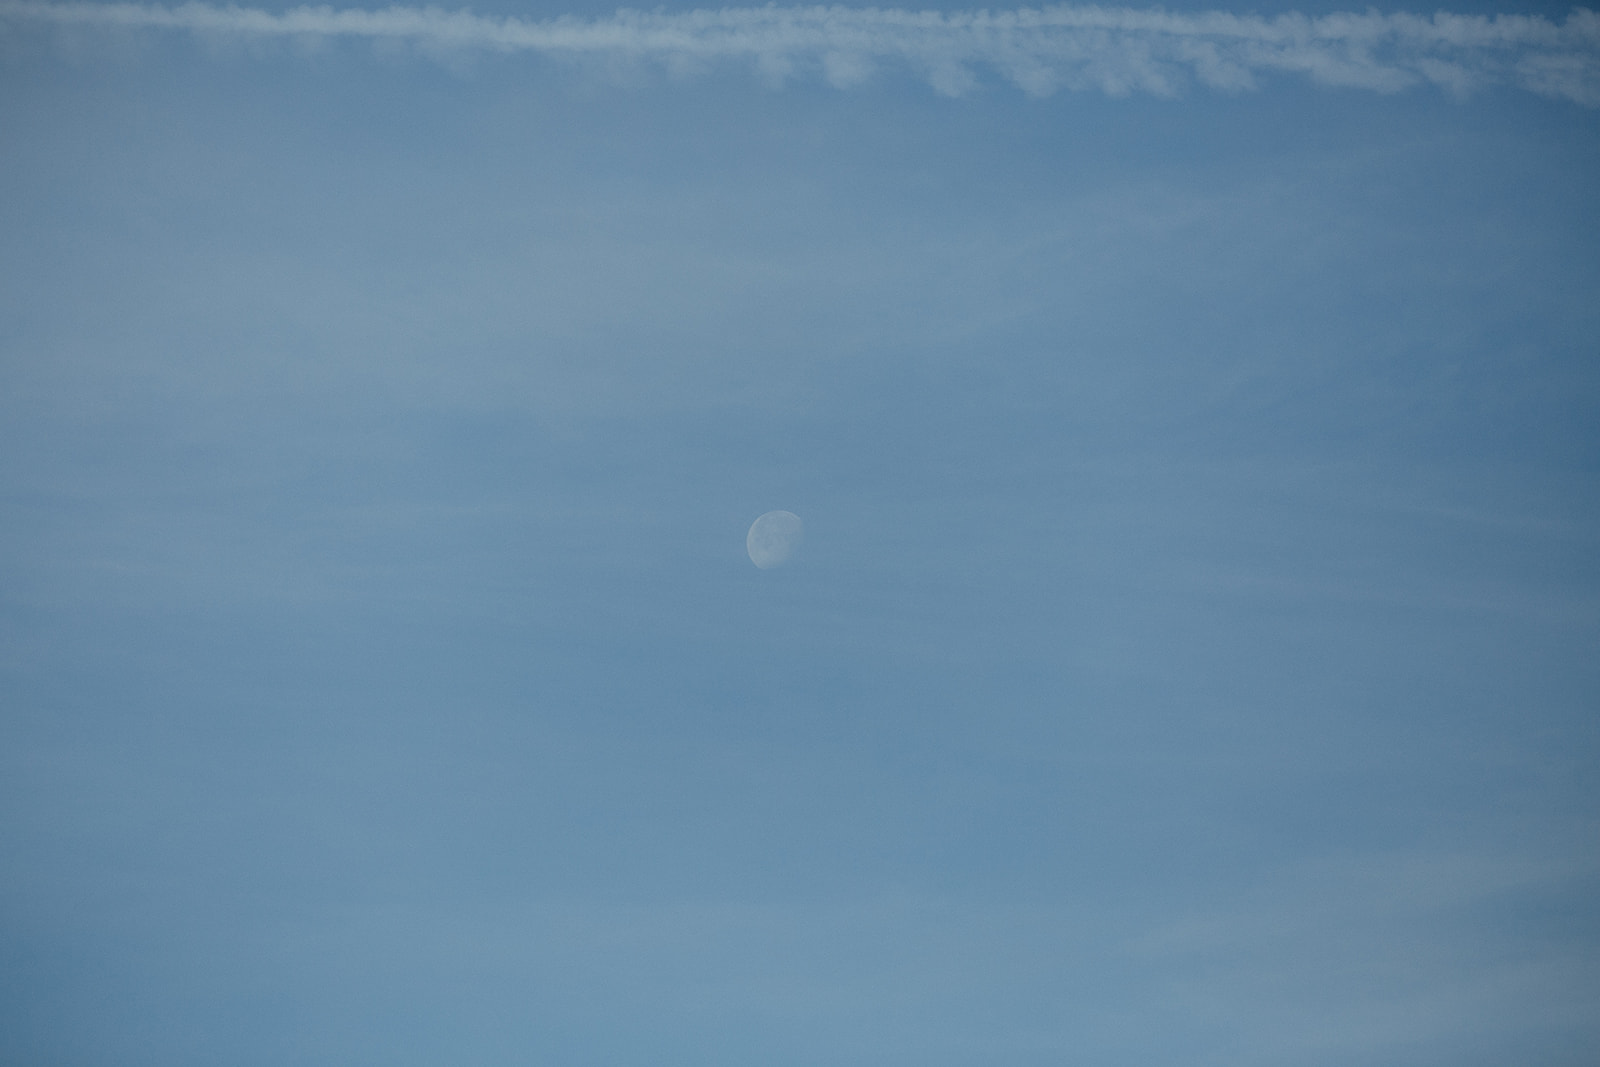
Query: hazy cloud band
column 1112, row 50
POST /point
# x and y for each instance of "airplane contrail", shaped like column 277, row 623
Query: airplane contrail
column 1111, row 50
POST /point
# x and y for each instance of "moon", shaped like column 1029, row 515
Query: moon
column 774, row 538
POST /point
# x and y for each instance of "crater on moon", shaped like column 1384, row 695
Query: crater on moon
column 774, row 538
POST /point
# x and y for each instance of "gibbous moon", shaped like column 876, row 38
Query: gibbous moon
column 773, row 538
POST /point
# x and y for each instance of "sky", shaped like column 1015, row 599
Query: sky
column 1193, row 657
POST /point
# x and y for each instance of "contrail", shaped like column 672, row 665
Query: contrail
column 1110, row 50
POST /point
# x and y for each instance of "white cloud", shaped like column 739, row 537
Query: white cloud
column 1112, row 50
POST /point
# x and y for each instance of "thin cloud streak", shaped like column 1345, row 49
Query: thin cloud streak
column 1111, row 50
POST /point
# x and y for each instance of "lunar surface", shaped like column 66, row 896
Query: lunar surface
column 774, row 538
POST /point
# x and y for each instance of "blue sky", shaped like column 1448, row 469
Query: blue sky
column 1192, row 658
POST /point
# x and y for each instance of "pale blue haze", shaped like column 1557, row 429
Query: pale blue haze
column 1194, row 657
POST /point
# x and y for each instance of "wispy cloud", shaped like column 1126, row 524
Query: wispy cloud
column 1111, row 50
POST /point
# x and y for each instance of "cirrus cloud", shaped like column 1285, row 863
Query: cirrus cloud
column 1111, row 50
